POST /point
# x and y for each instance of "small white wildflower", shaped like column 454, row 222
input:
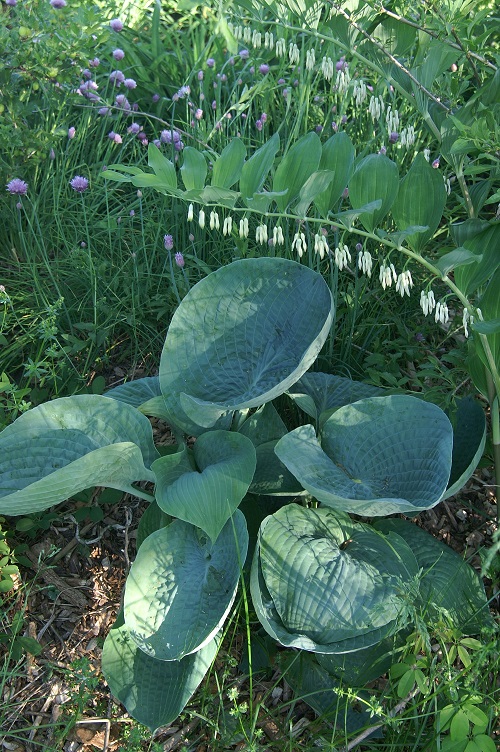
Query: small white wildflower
column 467, row 318
column 247, row 34
column 278, row 237
column 244, row 227
column 280, row 47
column 293, row 53
column 327, row 68
column 269, row 40
column 404, row 283
column 427, row 154
column 256, row 39
column 214, row 220
column 320, row 245
column 190, row 213
column 447, row 184
column 441, row 313
column 343, row 79
column 365, row 262
column 227, row 227
column 310, row 60
column 427, row 302
column 407, row 136
column 386, row 275
column 376, row 107
column 342, row 256
column 201, row 218
column 299, row 243
column 360, row 92
column 261, row 234
column 392, row 120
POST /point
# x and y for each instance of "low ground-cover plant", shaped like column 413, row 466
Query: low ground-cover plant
column 321, row 581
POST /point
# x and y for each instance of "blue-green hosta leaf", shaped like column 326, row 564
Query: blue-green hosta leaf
column 378, row 456
column 316, row 392
column 136, row 392
column 271, row 477
column 152, row 519
column 181, row 587
column 469, row 438
column 241, row 337
column 70, row 444
column 226, row 461
column 263, row 425
column 448, row 585
column 362, row 666
column 323, row 583
column 154, row 692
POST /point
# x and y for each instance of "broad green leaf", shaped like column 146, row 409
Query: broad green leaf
column 152, row 519
column 154, row 692
column 448, row 585
column 181, row 587
column 271, row 477
column 65, row 446
column 227, row 168
column 420, row 201
column 301, row 160
column 316, row 392
column 162, row 166
column 260, row 202
column 136, row 392
column 263, row 425
column 487, row 327
column 395, row 36
column 116, row 176
column 241, row 337
column 489, row 304
column 326, row 584
column 194, row 169
column 314, row 185
column 256, row 169
column 485, row 246
column 363, row 666
column 206, row 497
column 378, row 456
column 469, row 438
column 337, row 155
column 212, row 194
column 375, row 178
column 455, row 258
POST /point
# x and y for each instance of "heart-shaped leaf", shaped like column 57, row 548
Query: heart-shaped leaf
column 181, row 587
column 378, row 456
column 316, row 392
column 226, row 461
column 154, row 692
column 241, row 337
column 65, row 446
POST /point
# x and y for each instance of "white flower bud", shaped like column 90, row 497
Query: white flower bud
column 190, row 213
column 201, row 218
column 227, row 226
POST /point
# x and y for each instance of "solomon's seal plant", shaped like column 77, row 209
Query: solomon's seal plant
column 321, row 582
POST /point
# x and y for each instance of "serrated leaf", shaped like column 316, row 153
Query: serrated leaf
column 69, row 444
column 206, row 497
column 378, row 456
column 241, row 337
column 154, row 692
column 181, row 587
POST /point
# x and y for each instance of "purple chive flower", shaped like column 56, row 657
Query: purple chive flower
column 134, row 128
column 130, row 83
column 393, row 137
column 382, row 150
column 335, row 126
column 179, row 260
column 252, row 69
column 155, row 98
column 419, row 337
column 258, row 125
column 264, row 69
column 198, row 114
column 318, row 128
column 58, row 3
column 116, row 24
column 94, row 63
column 359, row 247
column 263, row 117
column 116, row 77
column 168, row 242
column 214, row 105
column 281, row 81
column 103, row 111
column 79, row 183
column 52, row 155
column 122, row 101
column 86, row 73
column 12, row 3
column 200, row 75
column 244, row 54
column 157, row 142
column 118, row 54
column 131, row 213
column 435, row 164
column 71, row 132
column 17, row 187
column 210, row 62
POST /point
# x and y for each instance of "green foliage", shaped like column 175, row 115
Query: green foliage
column 319, row 581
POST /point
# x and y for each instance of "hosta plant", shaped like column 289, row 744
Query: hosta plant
column 321, row 581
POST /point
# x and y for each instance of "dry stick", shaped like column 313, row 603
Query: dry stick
column 394, row 60
column 399, row 707
column 435, row 35
column 181, row 735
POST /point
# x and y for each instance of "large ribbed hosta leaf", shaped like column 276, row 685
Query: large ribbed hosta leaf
column 207, row 496
column 323, row 583
column 154, row 692
column 316, row 392
column 449, row 586
column 57, row 449
column 181, row 587
column 136, row 392
column 469, row 438
column 377, row 456
column 241, row 337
